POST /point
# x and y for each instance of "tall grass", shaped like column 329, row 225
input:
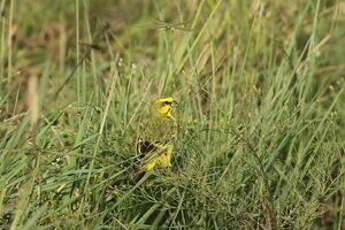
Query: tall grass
column 261, row 138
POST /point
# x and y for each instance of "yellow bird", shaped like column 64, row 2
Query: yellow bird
column 156, row 142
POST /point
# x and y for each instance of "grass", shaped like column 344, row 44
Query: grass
column 261, row 121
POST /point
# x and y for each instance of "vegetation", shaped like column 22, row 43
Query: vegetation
column 260, row 86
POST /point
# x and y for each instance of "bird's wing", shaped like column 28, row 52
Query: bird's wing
column 156, row 134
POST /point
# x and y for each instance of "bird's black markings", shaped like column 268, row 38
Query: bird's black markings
column 144, row 147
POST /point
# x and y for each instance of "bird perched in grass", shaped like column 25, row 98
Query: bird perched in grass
column 156, row 141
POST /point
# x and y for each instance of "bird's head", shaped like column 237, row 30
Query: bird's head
column 163, row 107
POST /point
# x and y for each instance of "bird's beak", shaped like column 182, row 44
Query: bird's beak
column 174, row 104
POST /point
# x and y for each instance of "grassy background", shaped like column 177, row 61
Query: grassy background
column 261, row 121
